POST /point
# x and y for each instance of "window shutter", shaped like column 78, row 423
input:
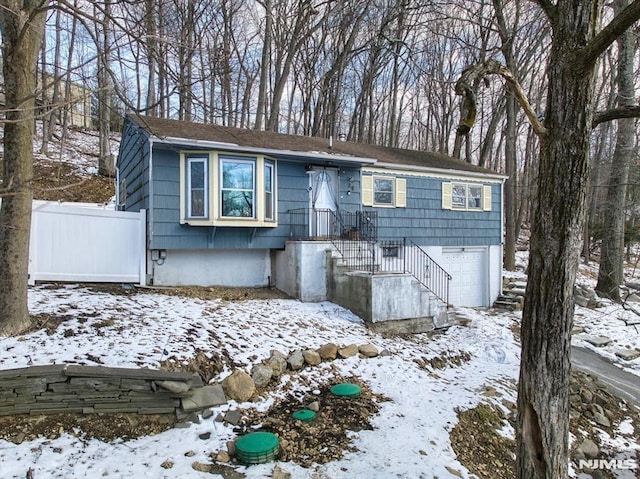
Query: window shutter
column 367, row 190
column 446, row 196
column 401, row 193
column 486, row 198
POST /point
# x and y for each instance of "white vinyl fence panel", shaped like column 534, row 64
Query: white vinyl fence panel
column 86, row 243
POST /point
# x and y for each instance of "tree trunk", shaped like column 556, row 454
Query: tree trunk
column 264, row 66
column 543, row 389
column 106, row 164
column 22, row 32
column 611, row 273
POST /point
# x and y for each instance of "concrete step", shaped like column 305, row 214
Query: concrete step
column 507, row 305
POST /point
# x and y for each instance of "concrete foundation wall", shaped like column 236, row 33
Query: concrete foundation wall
column 398, row 296
column 301, row 270
column 244, row 268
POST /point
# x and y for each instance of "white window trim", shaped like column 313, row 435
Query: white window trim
column 398, row 194
column 222, row 159
column 447, row 196
column 274, row 206
column 205, row 161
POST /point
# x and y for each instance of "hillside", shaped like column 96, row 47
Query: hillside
column 68, row 172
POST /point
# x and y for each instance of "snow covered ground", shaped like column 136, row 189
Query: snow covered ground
column 411, row 432
column 411, row 435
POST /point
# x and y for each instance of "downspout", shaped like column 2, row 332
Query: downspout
column 117, row 206
column 501, row 234
column 150, row 212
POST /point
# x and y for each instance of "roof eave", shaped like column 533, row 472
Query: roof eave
column 311, row 155
column 430, row 169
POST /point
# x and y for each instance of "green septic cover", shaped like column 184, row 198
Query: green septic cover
column 304, row 415
column 346, row 389
column 257, row 447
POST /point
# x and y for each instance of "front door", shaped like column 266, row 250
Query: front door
column 323, row 196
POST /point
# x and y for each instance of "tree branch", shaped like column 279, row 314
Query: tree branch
column 548, row 8
column 629, row 111
column 621, row 22
column 478, row 72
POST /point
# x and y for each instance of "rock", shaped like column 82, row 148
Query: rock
column 177, row 387
column 295, row 360
column 202, row 467
column 189, row 454
column 628, row 354
column 586, row 395
column 233, row 417
column 207, row 413
column 202, row 398
column 589, row 449
column 231, row 448
column 239, row 386
column 601, row 419
column 581, row 301
column 348, row 351
column 261, row 375
column 277, row 362
column 204, row 436
column 311, row 357
column 314, row 406
column 453, row 472
column 166, row 464
column 223, row 456
column 368, row 350
column 599, row 341
column 279, row 473
column 328, row 352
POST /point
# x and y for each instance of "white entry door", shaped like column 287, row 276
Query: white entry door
column 469, row 276
column 323, row 198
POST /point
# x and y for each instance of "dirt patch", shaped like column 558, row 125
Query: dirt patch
column 225, row 293
column 489, row 455
column 329, row 435
column 61, row 181
column 478, row 445
column 207, row 364
column 104, row 427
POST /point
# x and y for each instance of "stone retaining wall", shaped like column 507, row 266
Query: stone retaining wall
column 90, row 389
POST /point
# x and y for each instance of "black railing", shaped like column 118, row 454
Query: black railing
column 419, row 264
column 355, row 233
column 326, row 224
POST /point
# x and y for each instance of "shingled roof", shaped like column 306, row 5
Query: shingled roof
column 175, row 130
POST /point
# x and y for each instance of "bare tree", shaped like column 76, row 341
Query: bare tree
column 543, row 388
column 22, row 27
column 543, row 398
column 106, row 163
column 610, row 273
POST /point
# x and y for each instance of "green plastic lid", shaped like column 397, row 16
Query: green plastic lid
column 305, row 415
column 257, row 447
column 346, row 390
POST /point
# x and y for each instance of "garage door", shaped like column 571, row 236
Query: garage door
column 468, row 276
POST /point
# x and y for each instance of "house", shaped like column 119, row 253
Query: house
column 390, row 233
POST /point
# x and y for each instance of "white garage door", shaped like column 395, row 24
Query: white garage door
column 468, row 276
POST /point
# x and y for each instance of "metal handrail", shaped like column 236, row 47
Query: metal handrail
column 354, row 234
column 429, row 273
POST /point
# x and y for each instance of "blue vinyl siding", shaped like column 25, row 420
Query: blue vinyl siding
column 168, row 233
column 133, row 166
column 425, row 222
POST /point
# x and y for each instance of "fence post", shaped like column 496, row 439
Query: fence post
column 404, row 254
column 142, row 225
